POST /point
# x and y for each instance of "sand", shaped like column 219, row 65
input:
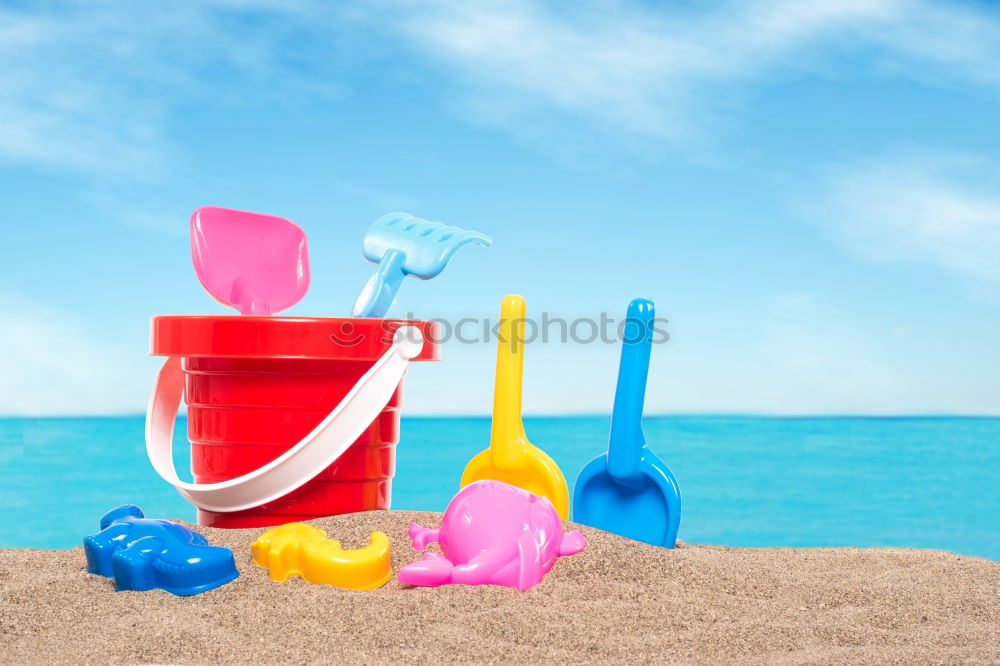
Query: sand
column 618, row 601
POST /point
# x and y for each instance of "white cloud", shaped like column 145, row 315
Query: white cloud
column 957, row 42
column 95, row 87
column 938, row 210
column 653, row 73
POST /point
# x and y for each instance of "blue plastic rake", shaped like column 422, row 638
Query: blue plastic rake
column 402, row 245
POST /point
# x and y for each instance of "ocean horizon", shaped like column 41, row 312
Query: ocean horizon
column 746, row 480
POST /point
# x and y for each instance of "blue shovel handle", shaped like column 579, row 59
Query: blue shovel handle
column 627, row 442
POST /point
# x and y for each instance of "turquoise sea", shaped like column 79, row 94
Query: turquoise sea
column 746, row 481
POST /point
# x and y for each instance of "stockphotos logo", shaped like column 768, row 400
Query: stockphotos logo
column 604, row 329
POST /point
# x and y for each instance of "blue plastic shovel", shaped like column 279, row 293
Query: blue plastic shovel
column 628, row 490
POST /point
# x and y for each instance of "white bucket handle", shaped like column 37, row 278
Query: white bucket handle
column 296, row 466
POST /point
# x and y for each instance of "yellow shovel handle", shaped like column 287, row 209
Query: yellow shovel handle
column 507, row 439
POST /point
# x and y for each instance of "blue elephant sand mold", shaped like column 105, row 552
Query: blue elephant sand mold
column 146, row 554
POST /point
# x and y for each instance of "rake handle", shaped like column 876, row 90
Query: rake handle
column 379, row 292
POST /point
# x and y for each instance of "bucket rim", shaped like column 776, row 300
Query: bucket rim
column 279, row 337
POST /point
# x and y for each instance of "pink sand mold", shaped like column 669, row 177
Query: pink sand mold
column 258, row 264
column 492, row 534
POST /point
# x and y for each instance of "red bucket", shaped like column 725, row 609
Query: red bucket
column 256, row 387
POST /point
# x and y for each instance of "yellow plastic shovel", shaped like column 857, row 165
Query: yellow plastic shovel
column 511, row 458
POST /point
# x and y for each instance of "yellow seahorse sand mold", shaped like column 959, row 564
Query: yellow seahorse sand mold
column 297, row 549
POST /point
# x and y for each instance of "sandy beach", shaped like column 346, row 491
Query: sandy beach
column 617, row 601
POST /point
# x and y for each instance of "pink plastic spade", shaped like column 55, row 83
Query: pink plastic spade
column 258, row 264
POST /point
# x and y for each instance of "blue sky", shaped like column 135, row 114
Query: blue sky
column 810, row 192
